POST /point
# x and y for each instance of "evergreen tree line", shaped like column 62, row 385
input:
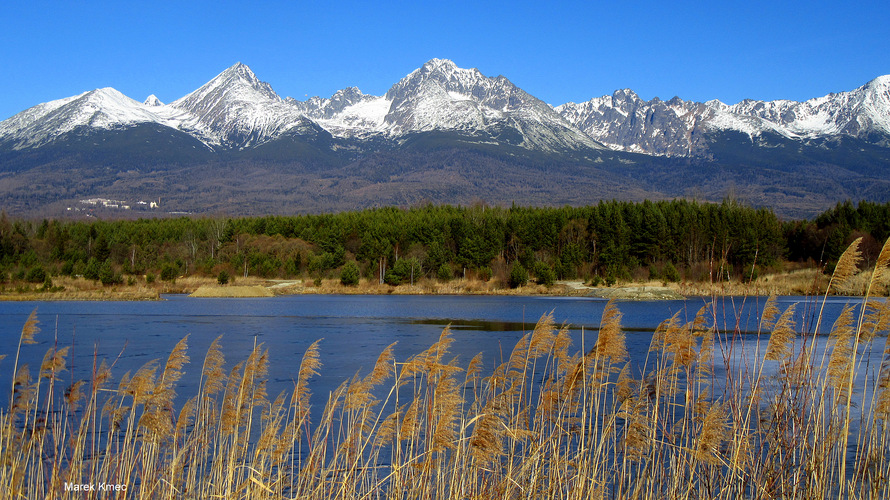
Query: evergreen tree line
column 612, row 240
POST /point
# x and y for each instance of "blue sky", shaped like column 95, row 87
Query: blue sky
column 570, row 51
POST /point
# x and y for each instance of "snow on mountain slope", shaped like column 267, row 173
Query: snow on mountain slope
column 101, row 109
column 439, row 96
column 236, row 110
column 362, row 118
column 857, row 112
column 625, row 122
column 152, row 100
column 442, row 96
column 348, row 113
column 233, row 110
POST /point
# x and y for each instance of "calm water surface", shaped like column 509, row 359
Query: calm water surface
column 354, row 329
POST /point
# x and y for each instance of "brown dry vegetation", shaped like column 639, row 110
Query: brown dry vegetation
column 69, row 288
column 552, row 421
column 798, row 282
column 424, row 286
column 807, row 281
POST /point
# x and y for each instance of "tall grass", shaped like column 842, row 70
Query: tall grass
column 803, row 417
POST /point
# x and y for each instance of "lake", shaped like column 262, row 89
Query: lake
column 354, row 329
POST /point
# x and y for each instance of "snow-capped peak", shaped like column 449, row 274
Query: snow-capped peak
column 855, row 113
column 236, row 109
column 881, row 83
column 437, row 62
column 236, row 83
column 442, row 96
column 152, row 100
column 626, row 122
column 104, row 108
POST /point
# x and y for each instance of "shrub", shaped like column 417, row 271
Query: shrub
column 518, row 276
column 222, row 278
column 403, row 271
column 670, row 273
column 393, row 278
column 36, row 275
column 444, row 273
column 562, row 269
column 349, row 275
column 544, row 274
column 91, row 272
column 107, row 275
column 653, row 273
column 168, row 272
column 485, row 273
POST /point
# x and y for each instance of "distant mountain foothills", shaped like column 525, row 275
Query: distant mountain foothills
column 442, row 134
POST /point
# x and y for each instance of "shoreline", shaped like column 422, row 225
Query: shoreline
column 800, row 282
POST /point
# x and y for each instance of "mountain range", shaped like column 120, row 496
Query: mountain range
column 442, row 134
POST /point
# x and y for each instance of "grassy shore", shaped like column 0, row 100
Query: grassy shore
column 792, row 418
column 796, row 282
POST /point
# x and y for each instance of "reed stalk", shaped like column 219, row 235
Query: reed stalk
column 799, row 418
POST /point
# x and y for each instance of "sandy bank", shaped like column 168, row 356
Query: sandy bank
column 232, row 291
column 636, row 293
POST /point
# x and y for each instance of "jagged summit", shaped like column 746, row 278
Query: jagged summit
column 442, row 133
column 442, row 96
column 237, row 82
column 241, row 69
column 436, row 62
column 152, row 100
column 236, row 110
column 623, row 121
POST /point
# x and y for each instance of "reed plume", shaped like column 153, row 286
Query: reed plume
column 782, row 336
column 543, row 336
column 546, row 423
column 882, row 265
column 610, row 343
column 30, row 329
column 770, row 311
column 847, row 264
column 53, row 363
column 882, row 407
column 474, row 368
column 212, row 372
column 177, row 359
column 876, row 321
column 712, row 435
column 309, row 366
column 74, row 395
column 840, row 342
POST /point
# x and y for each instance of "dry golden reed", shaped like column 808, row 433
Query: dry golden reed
column 782, row 337
column 610, row 341
column 847, row 265
column 555, row 419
